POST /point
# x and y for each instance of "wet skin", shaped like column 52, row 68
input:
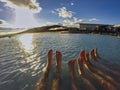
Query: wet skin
column 43, row 81
column 99, row 71
column 72, row 73
column 84, row 63
column 81, row 62
column 97, row 74
column 93, row 54
column 56, row 82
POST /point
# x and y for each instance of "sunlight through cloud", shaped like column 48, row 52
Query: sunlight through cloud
column 24, row 18
column 24, row 12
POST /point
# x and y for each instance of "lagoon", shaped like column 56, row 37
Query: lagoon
column 23, row 57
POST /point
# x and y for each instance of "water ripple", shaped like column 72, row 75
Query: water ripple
column 20, row 69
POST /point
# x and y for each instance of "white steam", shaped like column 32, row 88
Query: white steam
column 24, row 12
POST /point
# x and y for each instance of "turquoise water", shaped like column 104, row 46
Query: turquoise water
column 23, row 57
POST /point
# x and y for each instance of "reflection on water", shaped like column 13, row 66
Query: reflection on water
column 26, row 41
column 31, row 59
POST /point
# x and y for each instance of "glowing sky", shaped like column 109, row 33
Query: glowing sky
column 29, row 13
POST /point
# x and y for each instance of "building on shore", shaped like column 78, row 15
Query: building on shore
column 117, row 29
column 89, row 26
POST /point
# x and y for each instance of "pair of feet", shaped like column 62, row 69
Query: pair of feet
column 84, row 56
column 58, row 60
column 83, row 59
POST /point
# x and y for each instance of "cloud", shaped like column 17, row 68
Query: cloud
column 63, row 12
column 24, row 11
column 81, row 21
column 73, row 21
column 93, row 19
column 67, row 21
column 76, row 20
column 30, row 4
column 71, row 4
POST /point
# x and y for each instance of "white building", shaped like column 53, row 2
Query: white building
column 88, row 26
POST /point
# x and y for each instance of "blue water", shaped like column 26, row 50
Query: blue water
column 23, row 57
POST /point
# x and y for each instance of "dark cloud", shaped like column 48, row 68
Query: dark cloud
column 31, row 4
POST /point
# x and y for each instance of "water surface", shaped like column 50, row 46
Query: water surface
column 23, row 57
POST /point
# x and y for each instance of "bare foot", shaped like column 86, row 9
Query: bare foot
column 58, row 61
column 96, row 53
column 71, row 66
column 49, row 63
column 87, row 60
column 73, row 77
column 42, row 83
column 56, row 82
column 82, row 55
column 86, row 56
column 92, row 54
column 81, row 61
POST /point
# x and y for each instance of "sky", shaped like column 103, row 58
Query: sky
column 32, row 13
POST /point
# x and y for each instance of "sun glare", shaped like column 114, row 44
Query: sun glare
column 24, row 18
column 26, row 41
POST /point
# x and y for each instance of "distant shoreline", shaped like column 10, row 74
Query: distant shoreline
column 61, row 30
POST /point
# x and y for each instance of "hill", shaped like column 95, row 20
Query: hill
column 53, row 28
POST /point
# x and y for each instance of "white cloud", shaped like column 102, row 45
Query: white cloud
column 93, row 19
column 32, row 5
column 76, row 20
column 71, row 4
column 64, row 13
column 67, row 21
column 73, row 21
column 81, row 21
